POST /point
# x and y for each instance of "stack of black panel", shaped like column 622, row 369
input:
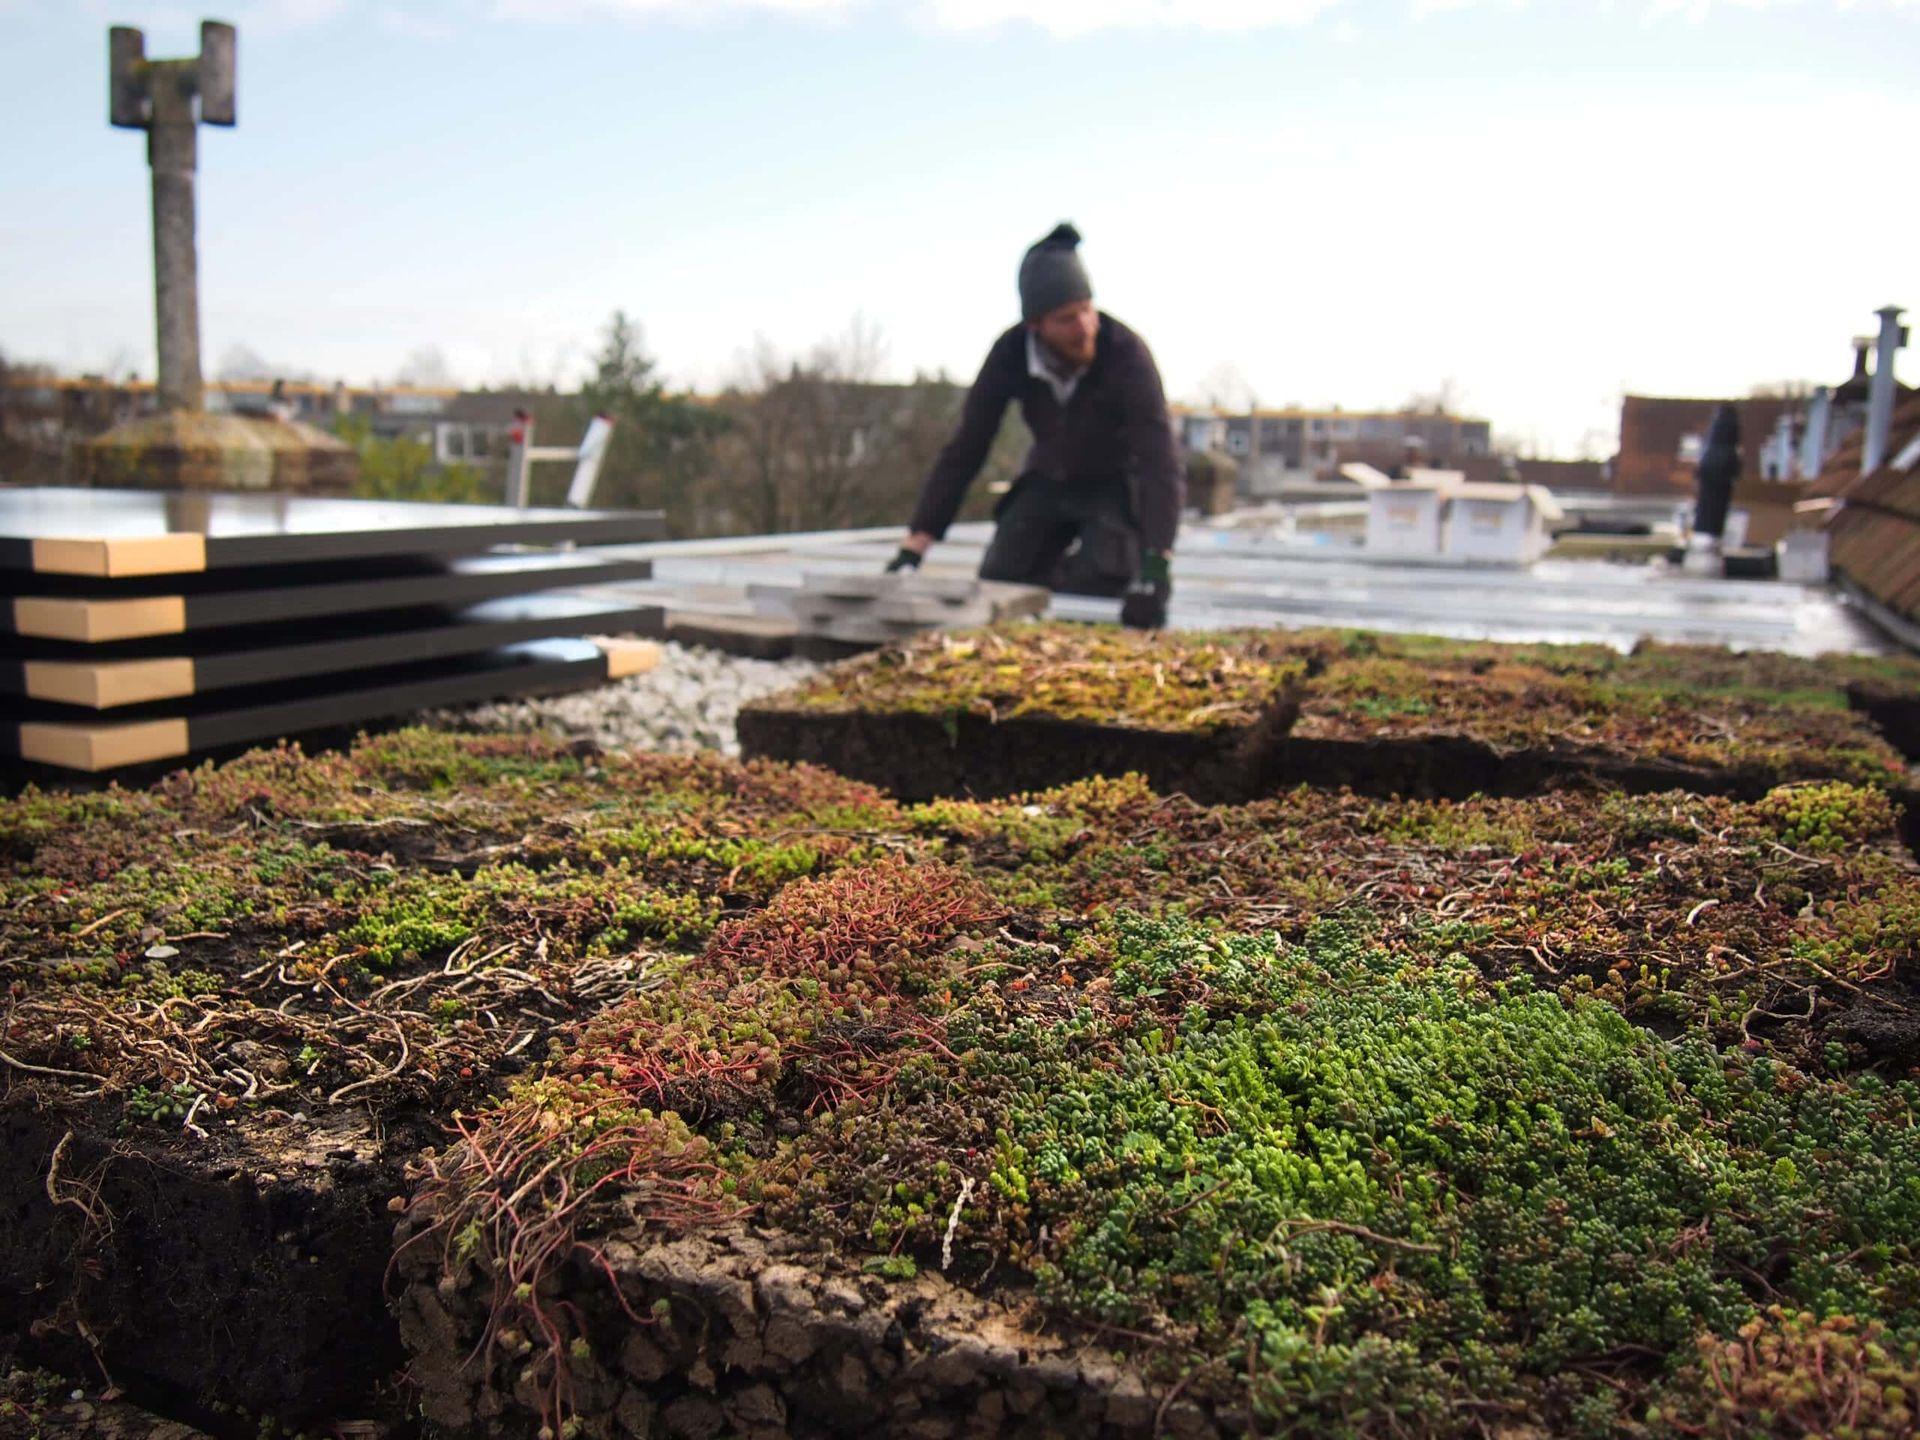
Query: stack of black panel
column 139, row 626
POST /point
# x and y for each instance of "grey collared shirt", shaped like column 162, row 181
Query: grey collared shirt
column 1038, row 366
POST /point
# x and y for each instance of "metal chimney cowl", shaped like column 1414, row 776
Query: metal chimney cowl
column 1881, row 392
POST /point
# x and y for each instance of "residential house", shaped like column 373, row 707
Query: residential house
column 1294, row 447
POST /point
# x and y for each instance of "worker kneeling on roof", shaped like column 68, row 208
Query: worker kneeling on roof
column 1097, row 503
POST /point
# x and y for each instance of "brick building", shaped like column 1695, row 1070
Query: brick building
column 1661, row 438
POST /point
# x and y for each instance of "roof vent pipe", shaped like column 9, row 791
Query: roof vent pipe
column 1813, row 442
column 1880, row 397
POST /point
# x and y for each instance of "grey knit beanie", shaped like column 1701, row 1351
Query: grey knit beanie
column 1052, row 273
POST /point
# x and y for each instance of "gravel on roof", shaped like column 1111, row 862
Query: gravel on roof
column 687, row 702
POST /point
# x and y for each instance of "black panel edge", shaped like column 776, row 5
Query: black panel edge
column 547, row 666
column 641, row 527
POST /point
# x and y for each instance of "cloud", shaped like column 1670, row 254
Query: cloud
column 1065, row 19
column 674, row 10
column 170, row 22
column 1081, row 17
column 1056, row 17
column 411, row 25
column 1073, row 18
column 1652, row 11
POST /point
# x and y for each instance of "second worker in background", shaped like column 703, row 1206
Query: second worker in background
column 1097, row 503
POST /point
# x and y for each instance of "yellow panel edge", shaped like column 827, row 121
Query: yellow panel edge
column 103, row 686
column 628, row 657
column 103, row 747
column 132, row 555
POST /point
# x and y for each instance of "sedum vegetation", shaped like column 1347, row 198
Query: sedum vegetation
column 1153, row 681
column 1581, row 1113
column 1740, row 722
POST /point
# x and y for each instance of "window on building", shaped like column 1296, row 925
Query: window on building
column 1237, row 442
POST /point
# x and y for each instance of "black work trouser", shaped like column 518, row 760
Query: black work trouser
column 1081, row 539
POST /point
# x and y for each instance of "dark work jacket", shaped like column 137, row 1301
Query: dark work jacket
column 1717, row 473
column 1113, row 431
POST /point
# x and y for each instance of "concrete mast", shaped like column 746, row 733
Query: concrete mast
column 159, row 96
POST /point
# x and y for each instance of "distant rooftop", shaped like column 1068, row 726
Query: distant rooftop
column 1336, row 412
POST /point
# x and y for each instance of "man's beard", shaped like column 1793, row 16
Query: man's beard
column 1070, row 361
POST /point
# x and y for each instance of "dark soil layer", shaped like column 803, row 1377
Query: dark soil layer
column 919, row 757
column 1035, row 706
column 1894, row 711
column 759, row 1337
column 251, row 1283
column 1456, row 767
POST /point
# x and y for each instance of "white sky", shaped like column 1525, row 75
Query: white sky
column 1342, row 200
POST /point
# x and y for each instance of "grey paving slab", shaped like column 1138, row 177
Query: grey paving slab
column 756, row 636
column 924, row 610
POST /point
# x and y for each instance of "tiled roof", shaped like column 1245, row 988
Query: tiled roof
column 1876, row 531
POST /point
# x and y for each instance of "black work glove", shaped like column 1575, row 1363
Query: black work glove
column 1145, row 607
column 904, row 560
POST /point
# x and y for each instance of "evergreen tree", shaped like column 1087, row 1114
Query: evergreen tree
column 659, row 447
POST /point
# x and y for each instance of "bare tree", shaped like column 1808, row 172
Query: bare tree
column 122, row 364
column 806, row 432
column 751, row 458
column 849, row 424
column 240, row 361
column 32, row 433
column 530, row 372
column 1449, row 397
column 1226, row 388
column 823, row 442
column 1518, row 445
column 426, row 368
column 1597, row 443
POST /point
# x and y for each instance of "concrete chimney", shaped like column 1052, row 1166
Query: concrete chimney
column 1780, row 448
column 1880, row 397
column 1813, row 444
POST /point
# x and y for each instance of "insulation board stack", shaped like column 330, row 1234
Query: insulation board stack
column 142, row 626
column 842, row 613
